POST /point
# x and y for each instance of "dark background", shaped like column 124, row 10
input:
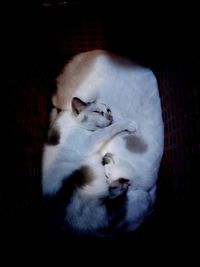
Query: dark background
column 37, row 40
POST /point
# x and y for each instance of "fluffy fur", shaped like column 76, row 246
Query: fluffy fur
column 131, row 92
column 83, row 132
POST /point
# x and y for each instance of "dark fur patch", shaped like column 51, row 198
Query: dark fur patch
column 84, row 177
column 118, row 187
column 53, row 137
column 107, row 158
column 56, row 205
column 135, row 144
column 116, row 210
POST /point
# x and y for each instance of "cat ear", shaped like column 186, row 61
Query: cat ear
column 78, row 105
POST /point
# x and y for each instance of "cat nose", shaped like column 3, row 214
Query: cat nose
column 109, row 117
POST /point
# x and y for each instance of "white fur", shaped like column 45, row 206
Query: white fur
column 80, row 142
column 131, row 91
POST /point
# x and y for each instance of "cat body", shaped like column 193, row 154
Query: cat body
column 82, row 132
column 131, row 92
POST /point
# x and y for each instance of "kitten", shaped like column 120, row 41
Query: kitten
column 74, row 137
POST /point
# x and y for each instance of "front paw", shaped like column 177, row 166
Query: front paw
column 132, row 127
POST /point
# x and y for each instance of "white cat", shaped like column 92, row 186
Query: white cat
column 81, row 132
column 131, row 92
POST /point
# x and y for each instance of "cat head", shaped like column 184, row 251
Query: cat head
column 92, row 116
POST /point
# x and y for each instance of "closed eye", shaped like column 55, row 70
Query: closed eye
column 99, row 112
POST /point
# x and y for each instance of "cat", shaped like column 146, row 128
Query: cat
column 131, row 91
column 74, row 184
column 81, row 132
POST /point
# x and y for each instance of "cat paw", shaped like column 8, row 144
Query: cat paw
column 124, row 125
column 132, row 127
column 118, row 187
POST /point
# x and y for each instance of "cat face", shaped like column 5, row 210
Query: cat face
column 91, row 115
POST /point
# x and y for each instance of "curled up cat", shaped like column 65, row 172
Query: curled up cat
column 101, row 161
column 75, row 140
